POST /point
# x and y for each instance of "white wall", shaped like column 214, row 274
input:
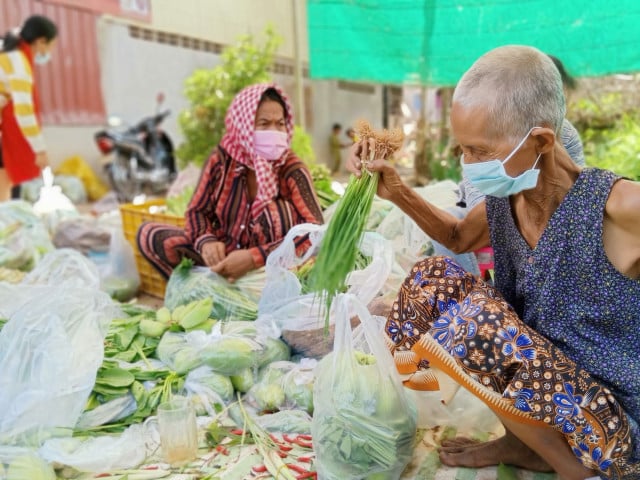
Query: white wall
column 224, row 21
column 134, row 71
column 69, row 141
column 334, row 105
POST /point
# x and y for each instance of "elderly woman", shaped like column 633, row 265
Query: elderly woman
column 553, row 348
column 251, row 192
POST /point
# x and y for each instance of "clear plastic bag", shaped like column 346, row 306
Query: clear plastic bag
column 364, row 423
column 120, row 278
column 209, row 391
column 24, row 239
column 188, row 283
column 226, row 354
column 292, row 380
column 64, row 266
column 283, row 306
column 50, row 351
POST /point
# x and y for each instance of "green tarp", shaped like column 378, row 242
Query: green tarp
column 435, row 41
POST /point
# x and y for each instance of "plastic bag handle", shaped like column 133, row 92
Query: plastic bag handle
column 347, row 305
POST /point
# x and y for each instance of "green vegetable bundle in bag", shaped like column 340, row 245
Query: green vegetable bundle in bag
column 188, row 283
column 364, row 424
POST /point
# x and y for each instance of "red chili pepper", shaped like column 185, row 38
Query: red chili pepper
column 307, row 476
column 302, row 443
column 305, row 459
column 285, row 448
column 102, row 475
column 297, row 468
column 305, row 436
column 287, row 438
column 281, row 454
column 222, row 449
column 236, row 431
column 259, row 468
column 150, row 467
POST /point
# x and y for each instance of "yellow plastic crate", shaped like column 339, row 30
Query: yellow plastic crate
column 133, row 216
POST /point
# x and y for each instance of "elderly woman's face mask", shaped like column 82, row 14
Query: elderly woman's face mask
column 270, row 136
column 491, row 178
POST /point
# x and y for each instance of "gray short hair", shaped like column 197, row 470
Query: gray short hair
column 519, row 86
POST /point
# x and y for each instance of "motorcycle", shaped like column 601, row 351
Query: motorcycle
column 142, row 156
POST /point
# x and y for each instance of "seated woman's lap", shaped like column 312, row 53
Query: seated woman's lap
column 164, row 246
column 449, row 319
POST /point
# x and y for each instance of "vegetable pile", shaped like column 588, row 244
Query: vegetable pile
column 188, row 283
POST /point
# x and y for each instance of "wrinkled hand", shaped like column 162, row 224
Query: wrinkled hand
column 42, row 160
column 389, row 183
column 213, row 253
column 235, row 265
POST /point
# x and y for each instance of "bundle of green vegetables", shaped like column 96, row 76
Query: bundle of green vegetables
column 322, row 185
column 339, row 248
column 285, row 385
column 188, row 283
column 129, row 345
column 362, row 428
column 177, row 204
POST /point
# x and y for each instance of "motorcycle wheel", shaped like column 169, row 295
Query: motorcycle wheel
column 122, row 178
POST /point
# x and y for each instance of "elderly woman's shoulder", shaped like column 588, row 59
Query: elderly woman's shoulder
column 624, row 199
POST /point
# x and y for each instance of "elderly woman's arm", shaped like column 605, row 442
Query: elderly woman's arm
column 458, row 235
column 621, row 228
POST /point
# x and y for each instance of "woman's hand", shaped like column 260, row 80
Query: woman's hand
column 389, row 184
column 213, row 253
column 235, row 265
column 42, row 160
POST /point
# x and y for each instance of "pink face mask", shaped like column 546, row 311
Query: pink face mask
column 270, row 144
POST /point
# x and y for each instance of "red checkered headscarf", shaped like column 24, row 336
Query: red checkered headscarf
column 238, row 140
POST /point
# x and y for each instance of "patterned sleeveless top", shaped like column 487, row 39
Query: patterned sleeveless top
column 566, row 289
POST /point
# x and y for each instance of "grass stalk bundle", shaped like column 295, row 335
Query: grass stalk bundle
column 340, row 244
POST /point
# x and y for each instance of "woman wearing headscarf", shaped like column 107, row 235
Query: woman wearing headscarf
column 251, row 191
column 23, row 151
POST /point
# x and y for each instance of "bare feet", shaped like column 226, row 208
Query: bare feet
column 464, row 452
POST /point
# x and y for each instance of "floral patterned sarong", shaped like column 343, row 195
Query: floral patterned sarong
column 447, row 320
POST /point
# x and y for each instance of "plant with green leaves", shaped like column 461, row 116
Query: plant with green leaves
column 210, row 92
column 615, row 148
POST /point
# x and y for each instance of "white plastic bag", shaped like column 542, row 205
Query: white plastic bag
column 53, row 206
column 50, row 351
column 100, row 454
column 283, row 306
column 364, row 423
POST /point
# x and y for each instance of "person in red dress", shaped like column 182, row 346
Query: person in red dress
column 23, row 152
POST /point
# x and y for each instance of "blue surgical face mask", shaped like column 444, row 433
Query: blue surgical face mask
column 42, row 58
column 491, row 178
